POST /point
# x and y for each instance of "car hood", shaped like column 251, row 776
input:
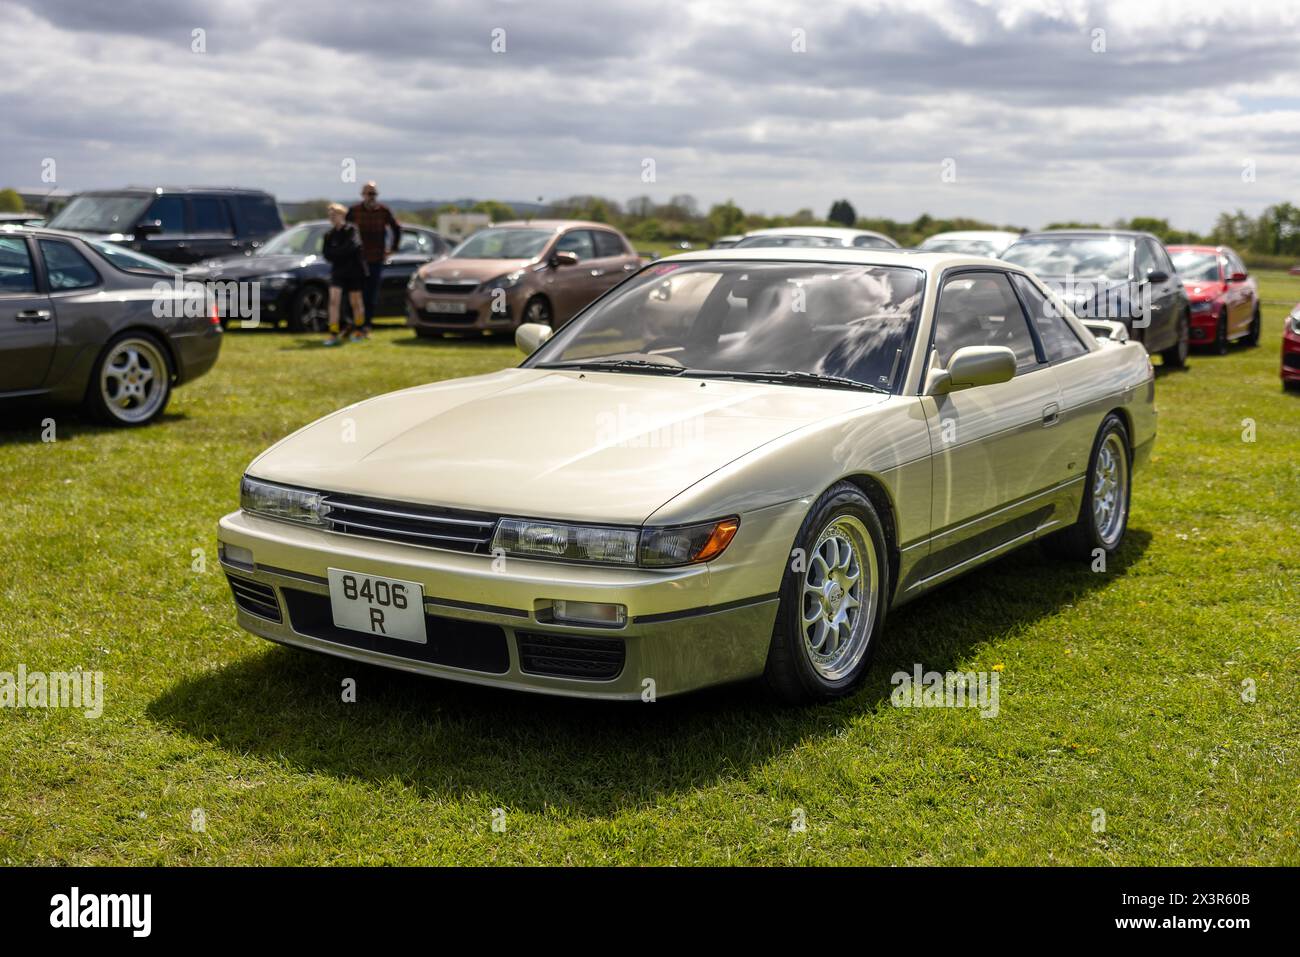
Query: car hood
column 595, row 446
column 242, row 267
column 472, row 270
column 1199, row 290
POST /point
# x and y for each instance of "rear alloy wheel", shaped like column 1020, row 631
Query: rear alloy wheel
column 1176, row 355
column 1252, row 337
column 1103, row 515
column 1221, row 335
column 833, row 598
column 310, row 312
column 131, row 382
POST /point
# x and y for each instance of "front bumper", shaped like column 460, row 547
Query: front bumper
column 491, row 626
column 477, row 317
column 1290, row 357
column 1204, row 326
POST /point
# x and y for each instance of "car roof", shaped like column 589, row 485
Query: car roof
column 555, row 224
column 9, row 228
column 144, row 190
column 1196, row 247
column 990, row 234
column 1089, row 233
column 865, row 256
column 841, row 232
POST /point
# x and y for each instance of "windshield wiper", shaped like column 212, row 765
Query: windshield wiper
column 608, row 365
column 794, row 376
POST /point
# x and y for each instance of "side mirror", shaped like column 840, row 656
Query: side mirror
column 972, row 366
column 1237, row 277
column 148, row 227
column 1157, row 276
column 530, row 336
column 564, row 257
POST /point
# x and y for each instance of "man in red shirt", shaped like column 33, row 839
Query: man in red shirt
column 374, row 221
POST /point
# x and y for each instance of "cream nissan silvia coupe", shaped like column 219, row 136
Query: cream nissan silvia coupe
column 727, row 467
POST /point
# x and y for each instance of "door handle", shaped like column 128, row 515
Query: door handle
column 598, row 272
column 629, row 267
column 33, row 315
column 1051, row 415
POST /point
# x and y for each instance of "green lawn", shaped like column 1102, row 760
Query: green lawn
column 1120, row 691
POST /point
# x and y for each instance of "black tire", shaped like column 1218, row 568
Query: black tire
column 538, row 309
column 1221, row 334
column 151, row 355
column 1251, row 339
column 1083, row 538
column 310, row 309
column 790, row 672
column 1176, row 355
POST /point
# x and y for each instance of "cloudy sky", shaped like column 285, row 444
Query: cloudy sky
column 1037, row 110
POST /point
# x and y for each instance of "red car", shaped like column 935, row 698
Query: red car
column 1291, row 350
column 1224, row 298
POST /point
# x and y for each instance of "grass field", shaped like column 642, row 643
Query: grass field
column 1125, row 692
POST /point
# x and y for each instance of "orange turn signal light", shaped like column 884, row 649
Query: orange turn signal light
column 718, row 540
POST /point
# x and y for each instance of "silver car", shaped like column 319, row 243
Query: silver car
column 729, row 467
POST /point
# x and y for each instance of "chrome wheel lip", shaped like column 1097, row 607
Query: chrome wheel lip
column 838, row 592
column 133, row 380
column 1110, row 490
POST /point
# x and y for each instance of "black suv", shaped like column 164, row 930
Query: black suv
column 175, row 225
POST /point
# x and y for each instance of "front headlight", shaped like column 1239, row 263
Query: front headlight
column 414, row 281
column 508, row 281
column 277, row 280
column 1293, row 322
column 1205, row 306
column 615, row 545
column 281, row 501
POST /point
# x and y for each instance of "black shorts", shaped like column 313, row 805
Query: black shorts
column 349, row 283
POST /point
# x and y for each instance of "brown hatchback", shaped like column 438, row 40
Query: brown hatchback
column 541, row 271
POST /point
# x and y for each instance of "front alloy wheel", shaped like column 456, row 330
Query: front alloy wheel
column 832, row 600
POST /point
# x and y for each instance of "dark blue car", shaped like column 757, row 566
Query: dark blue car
column 293, row 278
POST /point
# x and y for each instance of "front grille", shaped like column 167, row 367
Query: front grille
column 458, row 644
column 450, row 318
column 450, row 288
column 570, row 656
column 1291, row 360
column 255, row 598
column 410, row 524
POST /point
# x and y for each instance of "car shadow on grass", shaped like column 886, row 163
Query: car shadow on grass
column 531, row 752
column 23, row 424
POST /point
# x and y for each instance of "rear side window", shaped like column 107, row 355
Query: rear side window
column 607, row 244
column 170, row 212
column 980, row 309
column 258, row 215
column 65, row 267
column 16, row 274
column 1146, row 260
column 210, row 215
column 577, row 241
column 1058, row 339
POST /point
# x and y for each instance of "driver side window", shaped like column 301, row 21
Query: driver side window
column 170, row 211
column 981, row 309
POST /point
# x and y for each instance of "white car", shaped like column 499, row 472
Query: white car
column 969, row 242
column 815, row 237
column 729, row 467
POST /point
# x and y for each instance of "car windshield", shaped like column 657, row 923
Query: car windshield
column 806, row 321
column 504, row 244
column 964, row 247
column 1090, row 258
column 295, row 241
column 128, row 260
column 1196, row 266
column 101, row 214
column 793, row 241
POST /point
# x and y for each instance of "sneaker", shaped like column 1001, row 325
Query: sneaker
column 359, row 337
column 334, row 341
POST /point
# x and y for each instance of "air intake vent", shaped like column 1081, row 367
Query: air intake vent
column 571, row 656
column 255, row 598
